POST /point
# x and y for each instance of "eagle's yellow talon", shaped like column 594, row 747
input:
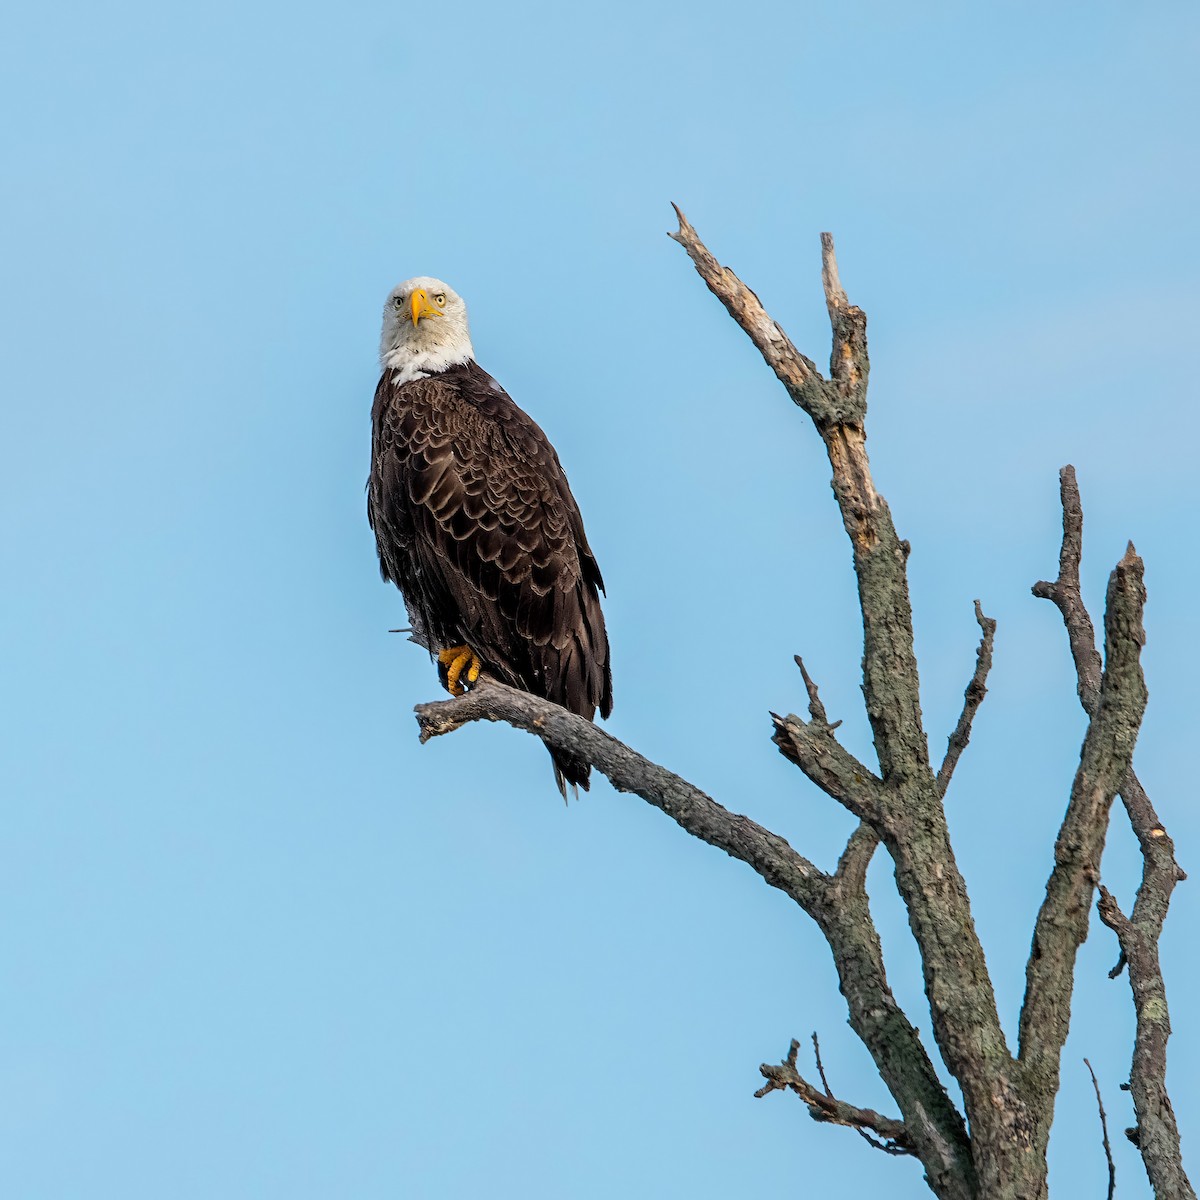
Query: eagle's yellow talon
column 456, row 660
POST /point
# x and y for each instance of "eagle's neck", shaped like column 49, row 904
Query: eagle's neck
column 415, row 358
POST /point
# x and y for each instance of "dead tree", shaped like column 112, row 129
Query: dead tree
column 996, row 1147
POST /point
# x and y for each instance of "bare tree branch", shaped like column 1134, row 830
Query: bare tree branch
column 856, row 858
column 1160, row 871
column 820, row 1065
column 1157, row 1132
column 1157, row 1135
column 976, row 690
column 872, row 1141
column 813, row 748
column 816, row 709
column 1062, row 923
column 824, row 1107
column 1065, row 594
column 837, row 903
column 936, row 1128
column 849, row 366
column 1112, row 1167
column 700, row 815
column 911, row 820
column 796, row 372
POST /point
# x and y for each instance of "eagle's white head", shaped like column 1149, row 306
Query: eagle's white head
column 424, row 329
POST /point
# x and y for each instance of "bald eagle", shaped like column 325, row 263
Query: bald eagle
column 475, row 523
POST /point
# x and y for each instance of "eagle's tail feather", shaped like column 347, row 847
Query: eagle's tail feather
column 569, row 770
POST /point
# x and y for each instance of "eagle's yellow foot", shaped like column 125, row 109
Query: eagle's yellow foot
column 460, row 662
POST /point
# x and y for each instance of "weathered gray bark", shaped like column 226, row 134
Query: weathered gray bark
column 1157, row 1133
column 1008, row 1099
column 1062, row 922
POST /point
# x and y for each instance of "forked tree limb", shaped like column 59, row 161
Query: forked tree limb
column 849, row 364
column 795, row 371
column 814, row 749
column 1157, row 1131
column 1161, row 871
column 938, row 1135
column 910, row 819
column 868, row 1137
column 823, row 1106
column 811, row 745
column 1065, row 593
column 837, row 903
column 1062, row 922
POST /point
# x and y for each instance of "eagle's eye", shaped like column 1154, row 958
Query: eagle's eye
column 440, row 297
column 398, row 301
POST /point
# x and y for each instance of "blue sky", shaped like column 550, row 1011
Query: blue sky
column 257, row 941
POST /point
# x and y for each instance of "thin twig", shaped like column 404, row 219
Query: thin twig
column 816, row 709
column 1112, row 1167
column 886, row 1147
column 820, row 1065
column 973, row 698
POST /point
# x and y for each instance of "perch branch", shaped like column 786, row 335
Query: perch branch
column 837, row 903
column 700, row 815
column 973, row 698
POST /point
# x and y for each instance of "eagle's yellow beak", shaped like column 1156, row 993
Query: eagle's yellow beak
column 422, row 306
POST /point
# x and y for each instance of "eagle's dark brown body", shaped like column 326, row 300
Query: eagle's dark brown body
column 476, row 525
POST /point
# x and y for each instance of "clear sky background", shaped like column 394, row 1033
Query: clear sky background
column 256, row 941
